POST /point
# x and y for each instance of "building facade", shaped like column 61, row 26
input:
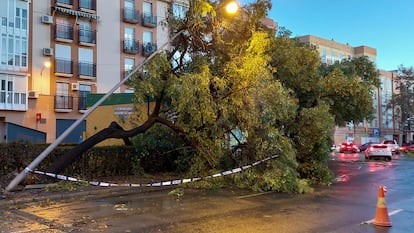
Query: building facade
column 54, row 53
column 384, row 125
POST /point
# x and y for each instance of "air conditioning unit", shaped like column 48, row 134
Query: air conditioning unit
column 47, row 51
column 33, row 94
column 47, row 19
column 75, row 86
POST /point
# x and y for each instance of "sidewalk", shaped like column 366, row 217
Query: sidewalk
column 37, row 193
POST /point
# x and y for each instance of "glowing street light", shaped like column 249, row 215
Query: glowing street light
column 47, row 65
column 232, row 7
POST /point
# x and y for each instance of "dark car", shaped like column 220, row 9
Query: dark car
column 348, row 147
column 364, row 146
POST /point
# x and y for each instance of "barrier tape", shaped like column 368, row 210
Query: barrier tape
column 158, row 184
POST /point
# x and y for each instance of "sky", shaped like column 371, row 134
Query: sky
column 386, row 25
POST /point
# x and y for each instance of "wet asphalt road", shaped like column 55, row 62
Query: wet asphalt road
column 346, row 206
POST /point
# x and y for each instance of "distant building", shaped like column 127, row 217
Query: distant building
column 384, row 125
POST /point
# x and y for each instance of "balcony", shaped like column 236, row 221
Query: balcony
column 131, row 46
column 87, row 5
column 148, row 49
column 149, row 20
column 63, row 67
column 64, row 33
column 63, row 103
column 15, row 101
column 87, row 37
column 64, row 3
column 86, row 70
column 131, row 15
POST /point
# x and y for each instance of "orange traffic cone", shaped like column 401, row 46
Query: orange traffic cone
column 381, row 216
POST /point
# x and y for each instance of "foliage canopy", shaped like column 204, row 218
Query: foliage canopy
column 226, row 74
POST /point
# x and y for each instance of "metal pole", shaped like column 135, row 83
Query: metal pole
column 19, row 178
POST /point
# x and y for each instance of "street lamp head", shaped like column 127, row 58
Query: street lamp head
column 47, row 64
column 232, row 7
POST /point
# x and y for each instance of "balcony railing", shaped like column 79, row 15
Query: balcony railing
column 87, row 4
column 87, row 69
column 131, row 15
column 63, row 66
column 63, row 102
column 64, row 32
column 87, row 36
column 131, row 46
column 149, row 20
column 148, row 49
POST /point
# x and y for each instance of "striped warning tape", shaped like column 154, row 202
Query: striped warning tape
column 158, row 184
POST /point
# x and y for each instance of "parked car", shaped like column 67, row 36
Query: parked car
column 364, row 146
column 407, row 147
column 348, row 147
column 378, row 151
column 334, row 148
column 393, row 145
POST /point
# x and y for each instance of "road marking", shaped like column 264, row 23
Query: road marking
column 254, row 195
column 390, row 213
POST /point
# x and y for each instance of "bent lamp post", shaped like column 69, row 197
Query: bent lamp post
column 19, row 178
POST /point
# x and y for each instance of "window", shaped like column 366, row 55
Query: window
column 129, row 64
column 17, row 19
column 3, row 49
column 17, row 51
column 129, row 4
column 147, row 8
column 3, row 91
column 146, row 37
column 84, row 90
column 323, row 56
column 129, row 9
column 63, row 29
column 62, row 100
column 85, row 32
column 129, row 34
column 179, row 11
column 10, row 51
column 62, row 88
column 4, row 21
column 63, row 63
column 24, row 19
column 24, row 51
column 86, row 65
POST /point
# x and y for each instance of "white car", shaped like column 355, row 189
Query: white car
column 393, row 145
column 378, row 151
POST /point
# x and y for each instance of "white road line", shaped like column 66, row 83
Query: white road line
column 253, row 195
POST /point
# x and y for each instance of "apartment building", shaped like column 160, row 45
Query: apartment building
column 54, row 53
column 383, row 126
